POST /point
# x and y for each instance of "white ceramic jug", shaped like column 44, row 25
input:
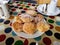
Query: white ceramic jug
column 3, row 9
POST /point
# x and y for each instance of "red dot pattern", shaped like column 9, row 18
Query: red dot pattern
column 46, row 41
column 29, row 4
column 51, row 26
column 11, row 24
column 19, row 14
column 13, row 9
column 2, row 37
column 22, row 38
column 25, row 42
column 52, row 17
column 18, row 4
column 25, row 8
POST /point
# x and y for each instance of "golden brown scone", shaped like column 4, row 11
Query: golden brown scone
column 26, row 18
column 46, row 27
column 38, row 18
column 29, row 28
column 17, row 18
column 31, row 12
column 17, row 26
column 42, row 27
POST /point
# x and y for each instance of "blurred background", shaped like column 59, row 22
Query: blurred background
column 37, row 1
column 31, row 1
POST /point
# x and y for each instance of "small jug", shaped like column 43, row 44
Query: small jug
column 3, row 9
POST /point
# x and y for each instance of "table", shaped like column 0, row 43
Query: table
column 8, row 37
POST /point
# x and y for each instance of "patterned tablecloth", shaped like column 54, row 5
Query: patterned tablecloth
column 8, row 37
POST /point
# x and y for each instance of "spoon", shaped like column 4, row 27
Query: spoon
column 46, row 7
column 43, row 10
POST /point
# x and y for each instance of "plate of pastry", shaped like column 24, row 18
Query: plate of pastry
column 29, row 25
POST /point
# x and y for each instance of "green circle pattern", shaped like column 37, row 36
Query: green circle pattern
column 21, row 2
column 27, row 6
column 50, row 21
column 19, row 42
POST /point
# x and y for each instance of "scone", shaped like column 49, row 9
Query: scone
column 29, row 28
column 17, row 26
column 31, row 12
column 42, row 27
column 38, row 18
column 26, row 18
column 17, row 19
column 46, row 27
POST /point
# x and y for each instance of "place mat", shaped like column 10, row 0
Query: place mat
column 8, row 37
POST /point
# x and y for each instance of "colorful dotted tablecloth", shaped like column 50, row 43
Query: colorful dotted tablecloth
column 8, row 37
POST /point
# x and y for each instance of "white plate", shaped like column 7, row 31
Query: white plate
column 40, row 9
column 25, row 35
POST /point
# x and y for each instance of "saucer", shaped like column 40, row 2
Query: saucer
column 40, row 10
